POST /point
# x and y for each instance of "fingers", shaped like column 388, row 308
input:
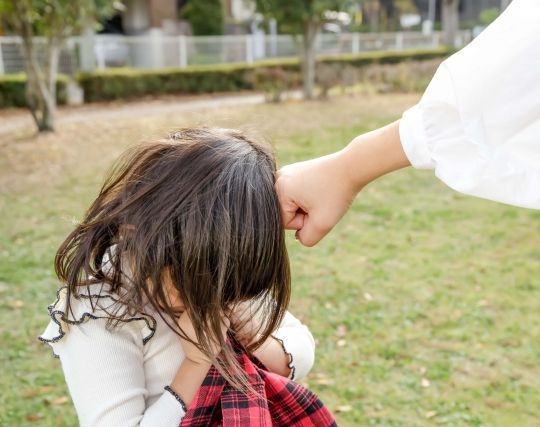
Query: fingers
column 292, row 214
column 297, row 221
column 311, row 232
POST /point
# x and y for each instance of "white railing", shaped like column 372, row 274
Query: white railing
column 159, row 51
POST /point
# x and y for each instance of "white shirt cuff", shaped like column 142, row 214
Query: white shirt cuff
column 166, row 411
column 414, row 140
column 301, row 348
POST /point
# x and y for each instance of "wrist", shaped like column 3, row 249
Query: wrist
column 349, row 162
column 373, row 154
column 188, row 379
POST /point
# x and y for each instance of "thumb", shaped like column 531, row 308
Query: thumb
column 292, row 216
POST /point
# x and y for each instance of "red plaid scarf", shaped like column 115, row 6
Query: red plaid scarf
column 279, row 401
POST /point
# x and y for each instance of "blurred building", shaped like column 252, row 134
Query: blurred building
column 469, row 10
column 141, row 16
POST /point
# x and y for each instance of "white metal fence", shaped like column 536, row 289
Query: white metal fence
column 158, row 51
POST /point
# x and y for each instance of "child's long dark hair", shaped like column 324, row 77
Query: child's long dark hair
column 200, row 208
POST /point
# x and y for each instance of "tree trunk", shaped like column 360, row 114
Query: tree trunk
column 49, row 95
column 308, row 57
column 450, row 21
column 41, row 87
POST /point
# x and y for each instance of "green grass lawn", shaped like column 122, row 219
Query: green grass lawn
column 425, row 304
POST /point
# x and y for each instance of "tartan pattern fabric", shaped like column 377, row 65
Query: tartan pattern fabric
column 277, row 401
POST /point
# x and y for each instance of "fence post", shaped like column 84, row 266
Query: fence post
column 182, row 51
column 435, row 39
column 2, row 70
column 100, row 56
column 249, row 48
column 355, row 43
column 399, row 41
column 87, row 53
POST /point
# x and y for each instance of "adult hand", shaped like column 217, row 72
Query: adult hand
column 191, row 350
column 315, row 194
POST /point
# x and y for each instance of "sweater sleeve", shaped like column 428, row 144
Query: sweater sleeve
column 104, row 371
column 298, row 342
column 478, row 123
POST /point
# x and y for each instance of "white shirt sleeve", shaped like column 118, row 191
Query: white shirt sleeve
column 105, row 375
column 298, row 343
column 478, row 123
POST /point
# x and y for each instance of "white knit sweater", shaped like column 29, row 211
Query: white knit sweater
column 116, row 377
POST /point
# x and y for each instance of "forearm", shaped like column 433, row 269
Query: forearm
column 188, row 379
column 373, row 154
column 272, row 354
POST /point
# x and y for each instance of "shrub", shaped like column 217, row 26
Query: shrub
column 129, row 83
column 328, row 76
column 13, row 90
column 205, row 17
column 274, row 81
column 407, row 76
column 125, row 83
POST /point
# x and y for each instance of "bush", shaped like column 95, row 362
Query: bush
column 407, row 76
column 205, row 17
column 126, row 83
column 274, row 81
column 129, row 83
column 328, row 76
column 13, row 90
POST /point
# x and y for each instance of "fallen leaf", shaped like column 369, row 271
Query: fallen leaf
column 321, row 379
column 16, row 303
column 324, row 381
column 341, row 331
column 34, row 417
column 38, row 391
column 343, row 408
column 58, row 401
column 431, row 414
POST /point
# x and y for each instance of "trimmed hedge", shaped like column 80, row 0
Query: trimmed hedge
column 13, row 90
column 127, row 83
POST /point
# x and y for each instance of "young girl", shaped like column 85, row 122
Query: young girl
column 183, row 243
